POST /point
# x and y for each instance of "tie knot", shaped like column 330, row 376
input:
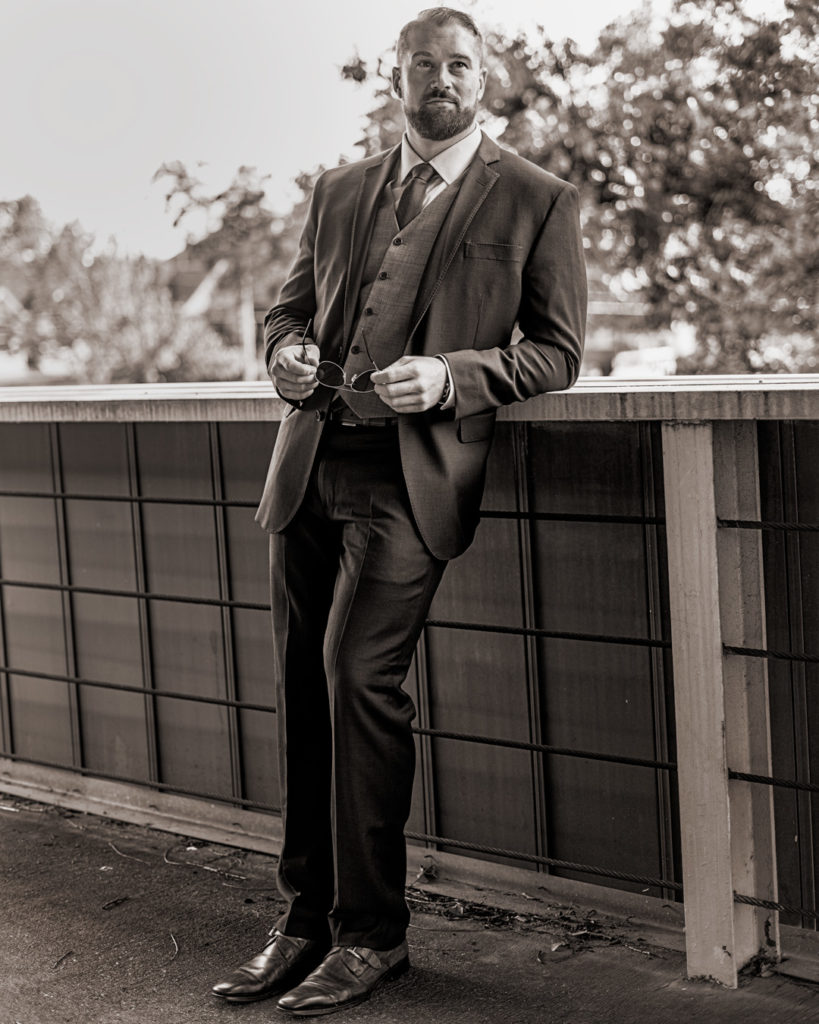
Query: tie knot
column 423, row 172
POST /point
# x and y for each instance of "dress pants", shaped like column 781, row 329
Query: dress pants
column 351, row 586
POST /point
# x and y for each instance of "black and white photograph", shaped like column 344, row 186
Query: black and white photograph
column 409, row 512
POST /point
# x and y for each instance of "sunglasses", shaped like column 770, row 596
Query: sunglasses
column 331, row 375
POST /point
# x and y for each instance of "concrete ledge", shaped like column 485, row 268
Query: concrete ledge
column 139, row 805
column 689, row 399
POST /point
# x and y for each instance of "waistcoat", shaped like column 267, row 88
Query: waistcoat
column 396, row 261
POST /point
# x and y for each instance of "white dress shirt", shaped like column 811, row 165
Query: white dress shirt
column 451, row 163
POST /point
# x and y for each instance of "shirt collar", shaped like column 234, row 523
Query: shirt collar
column 450, row 163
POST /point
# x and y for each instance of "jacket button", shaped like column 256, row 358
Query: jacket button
column 320, row 414
column 355, row 349
column 396, row 241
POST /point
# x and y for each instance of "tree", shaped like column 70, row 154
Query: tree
column 694, row 149
column 105, row 317
column 239, row 229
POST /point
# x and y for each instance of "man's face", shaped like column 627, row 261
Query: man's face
column 440, row 80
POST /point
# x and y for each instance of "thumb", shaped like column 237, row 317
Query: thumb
column 310, row 354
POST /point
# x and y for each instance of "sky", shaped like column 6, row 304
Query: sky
column 97, row 94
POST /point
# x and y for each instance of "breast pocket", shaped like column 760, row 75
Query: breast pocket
column 493, row 251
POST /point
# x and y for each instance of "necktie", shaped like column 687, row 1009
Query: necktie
column 412, row 196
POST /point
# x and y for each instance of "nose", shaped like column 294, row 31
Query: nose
column 442, row 78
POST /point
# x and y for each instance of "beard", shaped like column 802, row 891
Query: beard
column 438, row 123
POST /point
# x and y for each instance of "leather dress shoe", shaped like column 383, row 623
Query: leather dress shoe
column 283, row 963
column 348, row 975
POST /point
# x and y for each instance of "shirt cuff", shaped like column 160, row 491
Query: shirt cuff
column 450, row 402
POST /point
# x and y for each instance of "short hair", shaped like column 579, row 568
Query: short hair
column 438, row 16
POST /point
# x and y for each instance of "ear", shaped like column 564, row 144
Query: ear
column 482, row 85
column 396, row 81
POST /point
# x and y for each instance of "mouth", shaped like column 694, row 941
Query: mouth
column 434, row 100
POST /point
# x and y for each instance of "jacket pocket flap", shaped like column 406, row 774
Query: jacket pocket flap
column 479, row 427
column 493, row 251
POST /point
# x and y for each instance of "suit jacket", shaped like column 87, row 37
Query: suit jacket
column 510, row 252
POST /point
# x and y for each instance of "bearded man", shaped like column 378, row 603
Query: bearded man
column 392, row 344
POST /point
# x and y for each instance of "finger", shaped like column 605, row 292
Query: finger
column 411, row 403
column 296, row 372
column 399, row 389
column 294, row 368
column 403, row 369
column 310, row 354
column 301, row 388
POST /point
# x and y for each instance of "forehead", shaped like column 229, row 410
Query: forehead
column 442, row 41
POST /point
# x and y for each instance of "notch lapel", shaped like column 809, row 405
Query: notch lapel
column 373, row 183
column 478, row 182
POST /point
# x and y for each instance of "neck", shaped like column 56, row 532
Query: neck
column 428, row 148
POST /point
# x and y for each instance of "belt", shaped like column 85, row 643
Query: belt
column 347, row 421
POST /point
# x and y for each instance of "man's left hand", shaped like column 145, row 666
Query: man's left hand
column 411, row 383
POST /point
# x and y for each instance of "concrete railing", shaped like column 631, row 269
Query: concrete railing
column 716, row 590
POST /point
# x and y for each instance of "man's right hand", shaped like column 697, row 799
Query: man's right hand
column 294, row 369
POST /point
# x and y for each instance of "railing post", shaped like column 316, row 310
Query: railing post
column 696, row 646
column 721, row 703
column 748, row 733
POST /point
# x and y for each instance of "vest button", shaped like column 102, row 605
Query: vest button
column 369, row 311
column 396, row 241
column 383, row 275
column 355, row 349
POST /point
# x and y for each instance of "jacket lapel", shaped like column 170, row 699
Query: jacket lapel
column 373, row 183
column 478, row 182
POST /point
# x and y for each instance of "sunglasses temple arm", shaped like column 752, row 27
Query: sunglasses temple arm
column 304, row 334
column 367, row 350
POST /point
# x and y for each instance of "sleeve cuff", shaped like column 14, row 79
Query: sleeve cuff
column 450, row 402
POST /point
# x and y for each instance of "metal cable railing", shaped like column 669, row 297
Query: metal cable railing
column 546, row 634
column 770, row 780
column 142, row 595
column 781, row 908
column 773, row 655
column 768, row 524
column 132, row 499
column 514, row 514
column 494, row 741
column 543, row 748
column 533, row 858
column 481, row 627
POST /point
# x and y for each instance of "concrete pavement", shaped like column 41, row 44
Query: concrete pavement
column 106, row 923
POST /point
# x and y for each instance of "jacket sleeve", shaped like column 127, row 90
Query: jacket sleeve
column 297, row 300
column 551, row 317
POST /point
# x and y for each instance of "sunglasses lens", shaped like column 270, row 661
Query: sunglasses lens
column 361, row 382
column 330, row 375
